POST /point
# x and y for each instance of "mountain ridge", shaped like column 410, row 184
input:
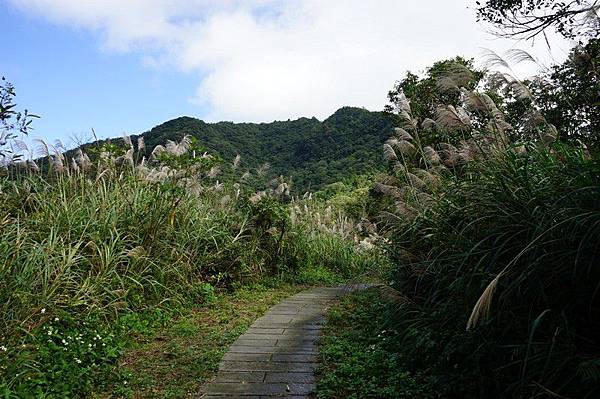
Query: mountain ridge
column 312, row 152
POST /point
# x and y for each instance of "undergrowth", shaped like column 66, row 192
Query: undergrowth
column 360, row 353
column 89, row 247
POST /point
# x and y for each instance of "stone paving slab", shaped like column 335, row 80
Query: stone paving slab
column 278, row 354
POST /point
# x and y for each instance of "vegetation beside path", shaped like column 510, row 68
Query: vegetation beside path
column 174, row 359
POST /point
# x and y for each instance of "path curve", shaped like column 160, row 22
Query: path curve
column 277, row 356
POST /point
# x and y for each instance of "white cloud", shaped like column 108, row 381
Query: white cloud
column 260, row 60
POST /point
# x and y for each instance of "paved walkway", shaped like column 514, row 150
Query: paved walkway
column 277, row 356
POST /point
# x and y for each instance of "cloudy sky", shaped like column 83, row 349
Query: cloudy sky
column 123, row 66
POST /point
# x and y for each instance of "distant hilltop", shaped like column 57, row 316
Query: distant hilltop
column 311, row 152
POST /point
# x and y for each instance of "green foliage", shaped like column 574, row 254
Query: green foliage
column 570, row 95
column 71, row 357
column 529, row 222
column 360, row 354
column 311, row 152
column 425, row 97
column 12, row 122
column 118, row 246
column 494, row 245
column 202, row 293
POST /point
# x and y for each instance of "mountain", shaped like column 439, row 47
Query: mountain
column 311, row 152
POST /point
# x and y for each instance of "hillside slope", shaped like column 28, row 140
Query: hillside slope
column 311, row 152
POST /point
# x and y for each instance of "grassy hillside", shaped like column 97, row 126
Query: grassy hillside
column 313, row 153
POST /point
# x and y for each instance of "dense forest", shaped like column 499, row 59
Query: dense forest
column 309, row 152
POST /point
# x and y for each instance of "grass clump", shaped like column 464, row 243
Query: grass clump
column 103, row 243
column 494, row 235
column 174, row 360
column 359, row 352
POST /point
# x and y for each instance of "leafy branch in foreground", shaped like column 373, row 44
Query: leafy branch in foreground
column 12, row 122
column 530, row 18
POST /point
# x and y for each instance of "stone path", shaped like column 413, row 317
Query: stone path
column 277, row 356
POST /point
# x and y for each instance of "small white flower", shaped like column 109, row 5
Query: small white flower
column 90, row 345
column 3, row 348
column 43, row 310
column 77, row 361
column 56, row 319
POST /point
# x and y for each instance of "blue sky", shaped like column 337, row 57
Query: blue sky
column 61, row 74
column 124, row 66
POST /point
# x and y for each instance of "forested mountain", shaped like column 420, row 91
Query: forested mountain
column 311, row 152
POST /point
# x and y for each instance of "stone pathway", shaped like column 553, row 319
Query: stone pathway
column 277, row 356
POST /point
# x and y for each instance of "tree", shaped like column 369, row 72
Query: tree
column 570, row 95
column 440, row 86
column 530, row 18
column 11, row 121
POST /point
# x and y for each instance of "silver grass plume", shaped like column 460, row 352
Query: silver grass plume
column 405, row 210
column 213, row 172
column 404, row 147
column 388, row 190
column 256, row 197
column 20, row 146
column 482, row 102
column 448, row 154
column 449, row 117
column 428, row 124
column 517, row 56
column 225, row 200
column 455, row 77
column 33, row 166
column 549, row 135
column 398, row 167
column 402, row 134
column 141, row 144
column 491, row 59
column 74, row 165
column 263, row 169
column 83, row 160
column 159, row 149
column 43, row 150
column 403, row 103
column 127, row 140
column 520, row 91
column 427, row 177
column 180, row 148
column 388, row 153
column 236, row 161
column 59, row 146
column 425, row 199
column 431, row 156
column 56, row 163
column 281, row 189
column 415, row 181
column 126, row 158
column 520, row 149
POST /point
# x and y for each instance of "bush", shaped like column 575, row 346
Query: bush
column 513, row 244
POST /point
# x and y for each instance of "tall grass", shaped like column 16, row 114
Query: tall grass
column 83, row 240
column 496, row 246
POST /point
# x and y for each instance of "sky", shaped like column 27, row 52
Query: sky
column 124, row 66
